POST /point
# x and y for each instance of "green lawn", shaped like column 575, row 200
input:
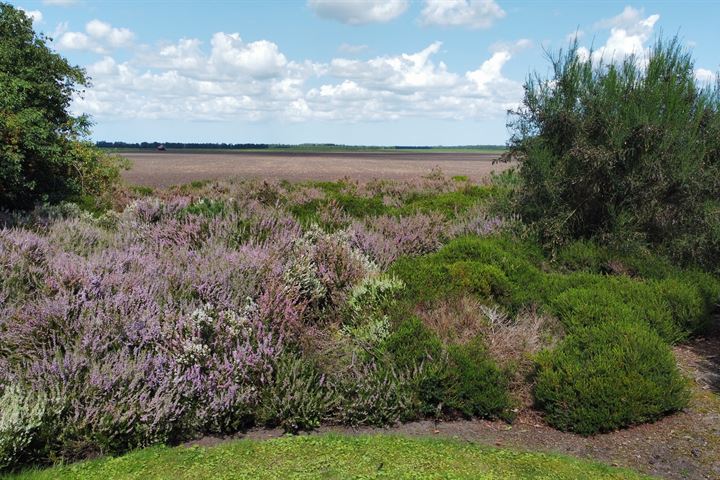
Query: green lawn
column 334, row 457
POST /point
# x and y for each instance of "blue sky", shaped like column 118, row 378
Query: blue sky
column 394, row 72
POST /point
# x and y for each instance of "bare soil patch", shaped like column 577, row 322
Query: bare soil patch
column 163, row 169
column 682, row 446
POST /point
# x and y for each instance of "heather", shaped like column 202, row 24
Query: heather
column 207, row 308
column 210, row 308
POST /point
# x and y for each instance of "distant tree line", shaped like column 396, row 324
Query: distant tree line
column 261, row 146
column 178, row 145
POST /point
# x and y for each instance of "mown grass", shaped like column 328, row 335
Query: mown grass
column 334, row 457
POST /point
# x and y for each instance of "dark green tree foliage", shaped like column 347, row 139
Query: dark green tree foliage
column 42, row 155
column 625, row 151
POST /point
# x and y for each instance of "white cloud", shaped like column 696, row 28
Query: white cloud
column 99, row 37
column 60, row 3
column 258, row 59
column 401, row 72
column 186, row 55
column 466, row 13
column 35, row 15
column 104, row 32
column 629, row 34
column 229, row 78
column 628, row 19
column 358, row 12
column 513, row 47
column 77, row 41
column 705, row 76
column 352, row 49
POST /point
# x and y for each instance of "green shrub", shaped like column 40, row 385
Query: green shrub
column 685, row 303
column 449, row 204
column 608, row 376
column 492, row 268
column 583, row 255
column 647, row 265
column 475, row 385
column 627, row 152
column 142, row 190
column 457, row 379
column 611, row 298
column 485, row 281
column 707, row 286
column 495, row 269
column 360, row 207
column 306, row 213
column 583, row 307
column 411, row 343
column 298, row 398
column 206, row 208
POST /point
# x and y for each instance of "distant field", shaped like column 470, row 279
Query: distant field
column 321, row 148
column 172, row 167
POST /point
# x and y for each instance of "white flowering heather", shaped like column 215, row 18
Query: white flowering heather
column 20, row 418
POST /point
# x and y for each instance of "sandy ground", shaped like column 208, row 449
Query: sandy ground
column 163, row 169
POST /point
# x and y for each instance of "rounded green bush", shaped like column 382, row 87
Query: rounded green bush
column 456, row 379
column 582, row 255
column 583, row 307
column 608, row 376
column 485, row 281
column 476, row 387
column 685, row 302
column 607, row 298
column 412, row 343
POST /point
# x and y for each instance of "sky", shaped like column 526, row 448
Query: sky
column 360, row 72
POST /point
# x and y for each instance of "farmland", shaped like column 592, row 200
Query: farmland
column 173, row 167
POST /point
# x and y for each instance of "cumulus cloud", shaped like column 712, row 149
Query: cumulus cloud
column 99, row 37
column 114, row 37
column 258, row 59
column 465, row 13
column 629, row 34
column 401, row 72
column 358, row 12
column 231, row 78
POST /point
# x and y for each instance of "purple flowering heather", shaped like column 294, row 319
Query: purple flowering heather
column 169, row 319
column 384, row 239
